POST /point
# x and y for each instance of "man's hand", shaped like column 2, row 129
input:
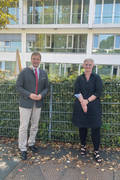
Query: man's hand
column 35, row 97
column 39, row 96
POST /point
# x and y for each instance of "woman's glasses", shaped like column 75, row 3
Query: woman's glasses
column 88, row 65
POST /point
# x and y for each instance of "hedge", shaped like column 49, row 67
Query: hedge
column 55, row 122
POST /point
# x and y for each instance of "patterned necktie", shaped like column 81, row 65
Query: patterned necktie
column 36, row 75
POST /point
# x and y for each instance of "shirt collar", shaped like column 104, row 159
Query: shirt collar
column 35, row 68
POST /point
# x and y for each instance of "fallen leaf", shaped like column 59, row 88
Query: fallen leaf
column 78, row 165
column 68, row 161
column 33, row 158
column 111, row 168
column 65, row 167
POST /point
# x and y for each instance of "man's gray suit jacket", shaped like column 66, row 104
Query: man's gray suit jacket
column 26, row 84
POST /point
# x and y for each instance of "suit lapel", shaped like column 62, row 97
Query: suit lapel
column 39, row 74
column 32, row 70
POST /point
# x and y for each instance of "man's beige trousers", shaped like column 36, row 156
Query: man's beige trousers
column 26, row 116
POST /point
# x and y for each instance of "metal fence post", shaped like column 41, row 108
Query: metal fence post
column 50, row 112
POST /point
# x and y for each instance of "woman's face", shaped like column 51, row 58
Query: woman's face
column 88, row 66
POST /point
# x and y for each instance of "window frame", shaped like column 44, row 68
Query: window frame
column 115, row 41
column 67, row 42
column 48, row 47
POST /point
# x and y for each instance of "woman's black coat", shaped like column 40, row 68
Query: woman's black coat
column 91, row 119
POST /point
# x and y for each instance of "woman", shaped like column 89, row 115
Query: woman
column 87, row 107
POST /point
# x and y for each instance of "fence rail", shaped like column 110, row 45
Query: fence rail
column 55, row 122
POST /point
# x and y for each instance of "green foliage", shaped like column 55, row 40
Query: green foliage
column 55, row 123
column 6, row 76
column 5, row 16
column 107, row 43
column 2, row 75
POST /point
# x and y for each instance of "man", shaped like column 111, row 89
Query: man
column 32, row 85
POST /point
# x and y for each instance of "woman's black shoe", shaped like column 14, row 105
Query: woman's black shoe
column 97, row 157
column 83, row 150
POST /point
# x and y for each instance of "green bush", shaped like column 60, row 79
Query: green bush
column 55, row 123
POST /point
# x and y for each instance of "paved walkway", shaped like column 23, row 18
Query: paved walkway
column 57, row 161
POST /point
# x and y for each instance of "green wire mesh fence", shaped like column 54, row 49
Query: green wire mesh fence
column 56, row 118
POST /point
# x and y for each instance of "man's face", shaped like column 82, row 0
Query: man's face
column 35, row 60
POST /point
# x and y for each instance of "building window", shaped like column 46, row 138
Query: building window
column 85, row 11
column 7, row 66
column 64, row 11
column 34, row 12
column 95, row 41
column 98, row 11
column 77, row 12
column 38, row 42
column 57, row 11
column 49, row 12
column 10, row 42
column 7, row 43
column 106, row 43
column 107, row 11
column 57, row 43
column 41, row 12
column 117, row 42
column 117, row 12
column 4, row 45
column 10, row 66
column 80, row 43
column 104, row 70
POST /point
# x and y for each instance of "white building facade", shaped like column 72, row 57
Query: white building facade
column 65, row 32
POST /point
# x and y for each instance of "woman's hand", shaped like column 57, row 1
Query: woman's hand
column 84, row 103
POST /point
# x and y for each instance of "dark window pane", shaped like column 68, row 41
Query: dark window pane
column 64, row 11
column 85, row 11
column 76, row 12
